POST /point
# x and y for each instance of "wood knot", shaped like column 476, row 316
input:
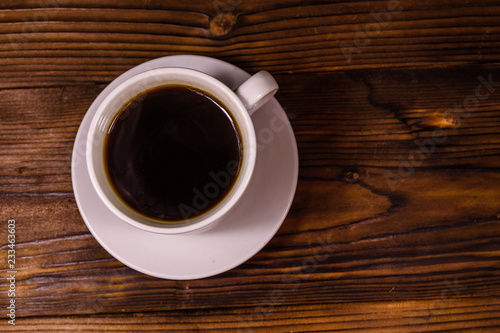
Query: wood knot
column 222, row 24
column 428, row 119
column 435, row 121
column 21, row 170
column 351, row 177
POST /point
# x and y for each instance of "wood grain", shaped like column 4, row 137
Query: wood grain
column 396, row 109
column 65, row 41
column 343, row 123
column 360, row 230
column 446, row 314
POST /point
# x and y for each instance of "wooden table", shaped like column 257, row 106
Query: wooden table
column 395, row 105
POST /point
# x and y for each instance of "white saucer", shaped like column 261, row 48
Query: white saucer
column 238, row 236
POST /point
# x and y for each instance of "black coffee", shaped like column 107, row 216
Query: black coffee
column 173, row 153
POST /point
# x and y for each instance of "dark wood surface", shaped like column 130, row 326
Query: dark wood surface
column 395, row 226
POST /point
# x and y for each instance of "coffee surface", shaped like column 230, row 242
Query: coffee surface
column 173, row 153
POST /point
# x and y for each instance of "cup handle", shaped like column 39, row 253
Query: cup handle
column 257, row 90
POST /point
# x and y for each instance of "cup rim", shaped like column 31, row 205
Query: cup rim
column 163, row 77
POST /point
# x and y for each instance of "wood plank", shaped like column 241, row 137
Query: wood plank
column 364, row 226
column 37, row 132
column 413, row 242
column 397, row 120
column 443, row 315
column 66, row 38
column 395, row 224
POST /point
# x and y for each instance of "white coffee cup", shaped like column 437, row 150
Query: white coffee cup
column 241, row 103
